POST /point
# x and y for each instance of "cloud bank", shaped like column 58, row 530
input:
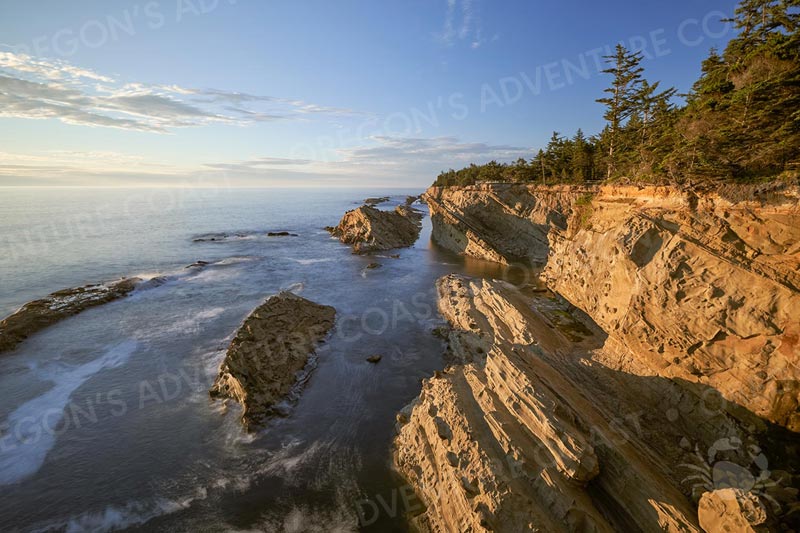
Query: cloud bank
column 38, row 88
column 385, row 161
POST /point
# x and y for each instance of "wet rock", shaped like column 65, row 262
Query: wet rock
column 375, row 201
column 281, row 234
column 270, row 350
column 369, row 229
column 374, row 359
column 373, row 266
column 39, row 314
column 220, row 237
column 198, row 264
column 441, row 332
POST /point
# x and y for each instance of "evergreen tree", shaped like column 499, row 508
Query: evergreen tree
column 621, row 102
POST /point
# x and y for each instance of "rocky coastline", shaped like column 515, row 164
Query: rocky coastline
column 656, row 388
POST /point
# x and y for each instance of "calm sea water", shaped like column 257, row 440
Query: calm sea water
column 106, row 422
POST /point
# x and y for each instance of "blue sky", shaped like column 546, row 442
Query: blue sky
column 314, row 93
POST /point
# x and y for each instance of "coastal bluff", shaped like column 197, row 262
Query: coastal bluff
column 654, row 387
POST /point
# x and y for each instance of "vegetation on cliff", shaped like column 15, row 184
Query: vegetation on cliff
column 739, row 122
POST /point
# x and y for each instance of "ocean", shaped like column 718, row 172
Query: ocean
column 106, row 422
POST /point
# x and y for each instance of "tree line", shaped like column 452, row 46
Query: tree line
column 739, row 122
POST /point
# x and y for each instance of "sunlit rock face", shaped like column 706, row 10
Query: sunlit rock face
column 370, row 229
column 662, row 370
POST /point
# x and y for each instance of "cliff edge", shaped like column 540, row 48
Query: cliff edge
column 656, row 387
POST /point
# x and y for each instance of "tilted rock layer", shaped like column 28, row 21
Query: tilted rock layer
column 669, row 373
column 370, row 229
column 697, row 286
column 269, row 352
column 39, row 314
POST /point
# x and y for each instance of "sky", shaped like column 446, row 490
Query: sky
column 315, row 93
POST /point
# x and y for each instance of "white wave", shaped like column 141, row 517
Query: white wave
column 34, row 425
column 190, row 325
column 313, row 261
column 116, row 517
column 305, row 519
column 235, row 260
column 296, row 288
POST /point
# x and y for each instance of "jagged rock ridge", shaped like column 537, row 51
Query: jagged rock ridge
column 370, row 229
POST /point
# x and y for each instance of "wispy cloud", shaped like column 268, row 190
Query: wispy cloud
column 438, row 150
column 463, row 24
column 37, row 88
column 384, row 161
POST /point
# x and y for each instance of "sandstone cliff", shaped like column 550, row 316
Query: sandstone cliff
column 269, row 352
column 666, row 373
column 369, row 229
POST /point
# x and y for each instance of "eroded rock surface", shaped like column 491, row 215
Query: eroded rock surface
column 664, row 370
column 697, row 287
column 520, row 437
column 270, row 352
column 39, row 314
column 731, row 511
column 369, row 229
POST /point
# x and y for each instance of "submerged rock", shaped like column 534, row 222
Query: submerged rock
column 369, row 229
column 39, row 314
column 373, row 266
column 220, row 237
column 376, row 201
column 269, row 352
column 374, row 358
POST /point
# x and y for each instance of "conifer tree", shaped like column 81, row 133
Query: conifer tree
column 621, row 102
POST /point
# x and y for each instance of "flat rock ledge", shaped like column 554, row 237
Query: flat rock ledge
column 36, row 315
column 369, row 229
column 269, row 354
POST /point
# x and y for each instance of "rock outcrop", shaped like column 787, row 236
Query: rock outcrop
column 39, row 314
column 521, row 436
column 697, row 287
column 369, row 229
column 663, row 370
column 269, row 354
